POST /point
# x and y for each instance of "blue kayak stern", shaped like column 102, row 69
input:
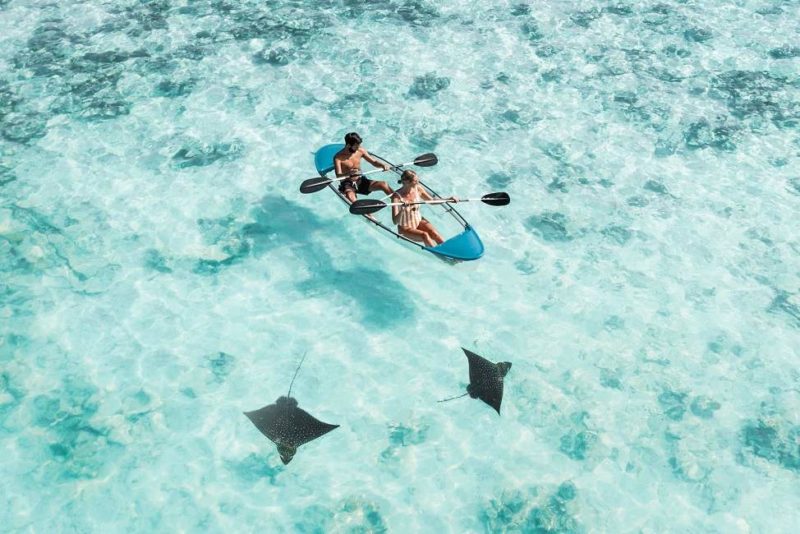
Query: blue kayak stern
column 466, row 246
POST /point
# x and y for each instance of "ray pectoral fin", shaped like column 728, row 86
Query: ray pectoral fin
column 307, row 428
column 265, row 420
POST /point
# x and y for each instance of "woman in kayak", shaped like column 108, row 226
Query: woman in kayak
column 407, row 217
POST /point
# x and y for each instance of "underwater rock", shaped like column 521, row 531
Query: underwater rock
column 585, row 18
column 621, row 10
column 173, row 89
column 221, row 365
column 197, row 154
column 530, row 30
column 550, row 226
column 697, row 35
column 774, row 443
column 704, row 407
column 748, row 93
column 428, row 85
column 154, row 260
column 401, row 436
column 525, row 511
column 80, row 449
column 277, row 57
column 788, row 304
column 617, row 234
column 785, row 52
column 498, row 180
column 701, row 135
column 517, row 10
column 579, row 441
column 674, row 404
column 656, row 187
column 24, row 127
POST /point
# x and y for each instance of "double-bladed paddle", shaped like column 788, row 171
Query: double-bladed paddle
column 368, row 205
column 312, row 185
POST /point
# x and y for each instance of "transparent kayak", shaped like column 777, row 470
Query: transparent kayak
column 464, row 245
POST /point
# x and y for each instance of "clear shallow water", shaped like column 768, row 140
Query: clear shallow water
column 161, row 274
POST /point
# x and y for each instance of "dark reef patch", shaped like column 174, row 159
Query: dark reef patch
column 697, row 35
column 702, row 134
column 531, row 31
column 750, row 93
column 401, row 436
column 656, row 187
column 778, row 444
column 153, row 259
column 428, row 85
column 24, row 127
column 550, row 226
column 578, row 442
column 704, row 407
column 197, row 154
column 498, row 180
column 277, row 57
column 221, row 365
column 6, row 175
column 518, row 10
column 229, row 237
column 673, row 404
column 10, row 394
column 585, row 18
column 526, row 511
column 174, row 88
column 620, row 10
column 785, row 303
column 785, row 52
column 617, row 234
column 8, row 99
column 80, row 448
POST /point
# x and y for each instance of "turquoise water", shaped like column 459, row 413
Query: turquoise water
column 161, row 273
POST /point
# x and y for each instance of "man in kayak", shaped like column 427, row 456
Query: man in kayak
column 347, row 162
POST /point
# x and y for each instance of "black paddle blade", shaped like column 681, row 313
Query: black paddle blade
column 426, row 160
column 496, row 199
column 366, row 206
column 312, row 185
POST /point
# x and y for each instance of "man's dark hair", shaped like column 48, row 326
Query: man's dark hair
column 352, row 139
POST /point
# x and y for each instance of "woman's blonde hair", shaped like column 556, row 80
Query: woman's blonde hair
column 407, row 175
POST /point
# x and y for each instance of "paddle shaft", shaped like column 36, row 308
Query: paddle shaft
column 374, row 171
column 438, row 201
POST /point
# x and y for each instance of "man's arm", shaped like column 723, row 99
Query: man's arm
column 374, row 162
column 337, row 167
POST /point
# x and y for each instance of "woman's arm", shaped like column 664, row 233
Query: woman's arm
column 395, row 209
column 423, row 193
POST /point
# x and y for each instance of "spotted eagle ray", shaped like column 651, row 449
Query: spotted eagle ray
column 485, row 380
column 287, row 425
